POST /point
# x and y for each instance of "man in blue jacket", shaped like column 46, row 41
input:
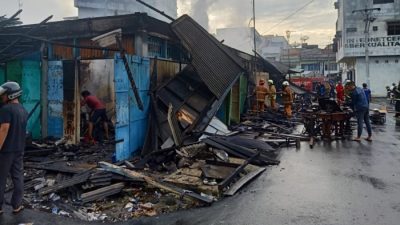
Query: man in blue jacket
column 367, row 92
column 360, row 105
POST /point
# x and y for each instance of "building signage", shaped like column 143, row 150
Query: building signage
column 373, row 42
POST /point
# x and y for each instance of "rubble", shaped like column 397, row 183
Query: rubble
column 66, row 181
column 190, row 159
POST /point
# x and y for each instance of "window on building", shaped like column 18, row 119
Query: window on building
column 383, row 1
column 393, row 28
column 386, row 61
column 396, row 61
column 156, row 47
column 377, row 61
column 311, row 67
column 351, row 29
column 375, row 28
column 333, row 67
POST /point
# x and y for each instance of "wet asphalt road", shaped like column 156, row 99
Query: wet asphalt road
column 338, row 183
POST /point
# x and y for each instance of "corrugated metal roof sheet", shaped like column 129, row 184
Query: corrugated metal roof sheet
column 217, row 67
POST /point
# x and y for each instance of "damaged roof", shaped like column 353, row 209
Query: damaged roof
column 197, row 92
column 18, row 41
column 215, row 64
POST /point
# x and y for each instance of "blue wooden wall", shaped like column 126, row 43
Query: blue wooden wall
column 131, row 122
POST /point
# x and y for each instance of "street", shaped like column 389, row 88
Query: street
column 336, row 183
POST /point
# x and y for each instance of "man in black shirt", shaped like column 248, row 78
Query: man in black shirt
column 13, row 121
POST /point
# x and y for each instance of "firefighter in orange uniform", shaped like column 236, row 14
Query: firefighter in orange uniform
column 287, row 96
column 261, row 93
column 272, row 94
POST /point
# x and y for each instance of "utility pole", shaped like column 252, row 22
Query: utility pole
column 368, row 19
column 254, row 37
column 255, row 48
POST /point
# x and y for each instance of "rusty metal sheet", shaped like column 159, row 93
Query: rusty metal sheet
column 218, row 67
column 70, row 109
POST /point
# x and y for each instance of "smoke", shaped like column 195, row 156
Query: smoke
column 198, row 9
column 213, row 14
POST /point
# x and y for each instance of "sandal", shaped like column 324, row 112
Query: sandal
column 18, row 210
column 356, row 139
column 368, row 139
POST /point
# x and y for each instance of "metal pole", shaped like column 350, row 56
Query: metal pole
column 156, row 10
column 367, row 56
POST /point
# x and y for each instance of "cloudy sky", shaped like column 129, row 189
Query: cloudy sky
column 317, row 20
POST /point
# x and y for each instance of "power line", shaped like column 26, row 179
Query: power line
column 288, row 17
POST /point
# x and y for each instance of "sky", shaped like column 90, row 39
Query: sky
column 317, row 20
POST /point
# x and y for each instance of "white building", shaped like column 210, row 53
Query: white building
column 383, row 44
column 272, row 46
column 241, row 38
column 97, row 8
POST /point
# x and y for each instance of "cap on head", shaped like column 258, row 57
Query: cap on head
column 285, row 83
column 270, row 82
column 11, row 89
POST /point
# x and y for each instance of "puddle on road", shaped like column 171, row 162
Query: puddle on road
column 375, row 182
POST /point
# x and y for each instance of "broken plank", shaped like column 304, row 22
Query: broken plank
column 294, row 136
column 61, row 167
column 192, row 183
column 77, row 179
column 237, row 171
column 152, row 181
column 242, row 181
column 101, row 193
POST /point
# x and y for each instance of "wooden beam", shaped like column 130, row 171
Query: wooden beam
column 101, row 193
column 31, row 30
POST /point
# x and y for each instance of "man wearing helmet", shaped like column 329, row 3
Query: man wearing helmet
column 287, row 95
column 13, row 121
column 261, row 93
column 272, row 94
